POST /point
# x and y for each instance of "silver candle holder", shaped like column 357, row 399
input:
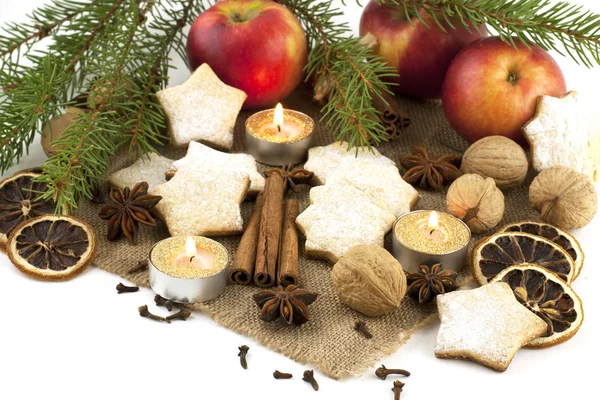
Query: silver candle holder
column 270, row 149
column 415, row 243
column 187, row 285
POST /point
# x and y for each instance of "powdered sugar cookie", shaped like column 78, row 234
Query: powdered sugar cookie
column 202, row 109
column 194, row 203
column 564, row 132
column 209, row 160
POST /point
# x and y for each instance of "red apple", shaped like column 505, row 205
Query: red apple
column 419, row 54
column 257, row 46
column 492, row 89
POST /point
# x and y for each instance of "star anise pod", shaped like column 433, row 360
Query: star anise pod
column 427, row 283
column 429, row 172
column 293, row 177
column 290, row 304
column 128, row 209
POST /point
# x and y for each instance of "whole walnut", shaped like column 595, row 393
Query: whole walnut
column 564, row 197
column 499, row 158
column 369, row 280
column 477, row 201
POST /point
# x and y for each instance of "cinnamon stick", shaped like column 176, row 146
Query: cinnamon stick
column 269, row 234
column 287, row 273
column 394, row 119
column 242, row 269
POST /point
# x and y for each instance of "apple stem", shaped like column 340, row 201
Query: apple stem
column 237, row 18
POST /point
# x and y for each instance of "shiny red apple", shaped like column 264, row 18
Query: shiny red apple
column 257, row 46
column 419, row 54
column 492, row 88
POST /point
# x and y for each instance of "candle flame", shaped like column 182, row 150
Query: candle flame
column 433, row 221
column 278, row 116
column 190, row 247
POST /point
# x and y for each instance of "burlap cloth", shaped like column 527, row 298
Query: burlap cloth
column 328, row 341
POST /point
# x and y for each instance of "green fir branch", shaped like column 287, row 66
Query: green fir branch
column 131, row 64
column 564, row 27
column 348, row 69
column 43, row 21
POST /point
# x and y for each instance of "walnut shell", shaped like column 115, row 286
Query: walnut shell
column 369, row 280
column 499, row 158
column 477, row 201
column 564, row 197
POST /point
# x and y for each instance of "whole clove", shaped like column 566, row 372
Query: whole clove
column 144, row 312
column 397, row 389
column 382, row 372
column 141, row 266
column 126, row 289
column 281, row 375
column 361, row 327
column 181, row 314
column 242, row 354
column 161, row 301
column 310, row 378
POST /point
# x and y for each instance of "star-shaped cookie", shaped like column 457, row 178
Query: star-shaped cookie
column 196, row 203
column 563, row 132
column 400, row 197
column 325, row 160
column 202, row 109
column 213, row 161
column 486, row 325
column 340, row 217
column 149, row 168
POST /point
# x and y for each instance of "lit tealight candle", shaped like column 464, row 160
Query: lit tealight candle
column 278, row 136
column 193, row 257
column 430, row 237
column 281, row 129
column 188, row 270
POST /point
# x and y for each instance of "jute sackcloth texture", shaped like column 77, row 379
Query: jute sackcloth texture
column 328, row 341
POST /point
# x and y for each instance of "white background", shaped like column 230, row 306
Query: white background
column 80, row 340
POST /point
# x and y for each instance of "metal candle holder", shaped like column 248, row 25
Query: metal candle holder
column 192, row 289
column 410, row 258
column 278, row 152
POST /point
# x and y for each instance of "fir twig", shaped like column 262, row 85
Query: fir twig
column 561, row 26
column 348, row 66
column 128, row 111
column 44, row 21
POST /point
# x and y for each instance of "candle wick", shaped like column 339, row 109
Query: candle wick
column 278, row 128
column 431, row 232
column 191, row 258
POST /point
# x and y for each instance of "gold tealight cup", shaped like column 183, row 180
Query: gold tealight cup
column 188, row 270
column 428, row 238
column 278, row 136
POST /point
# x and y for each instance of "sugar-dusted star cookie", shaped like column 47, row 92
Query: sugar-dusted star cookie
column 340, row 217
column 400, row 197
column 212, row 161
column 196, row 203
column 564, row 132
column 149, row 168
column 203, row 109
column 325, row 160
column 486, row 325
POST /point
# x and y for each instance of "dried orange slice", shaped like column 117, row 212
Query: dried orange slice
column 494, row 254
column 52, row 247
column 549, row 297
column 19, row 201
column 554, row 234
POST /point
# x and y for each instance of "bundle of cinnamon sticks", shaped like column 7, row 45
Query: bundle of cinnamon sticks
column 268, row 251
